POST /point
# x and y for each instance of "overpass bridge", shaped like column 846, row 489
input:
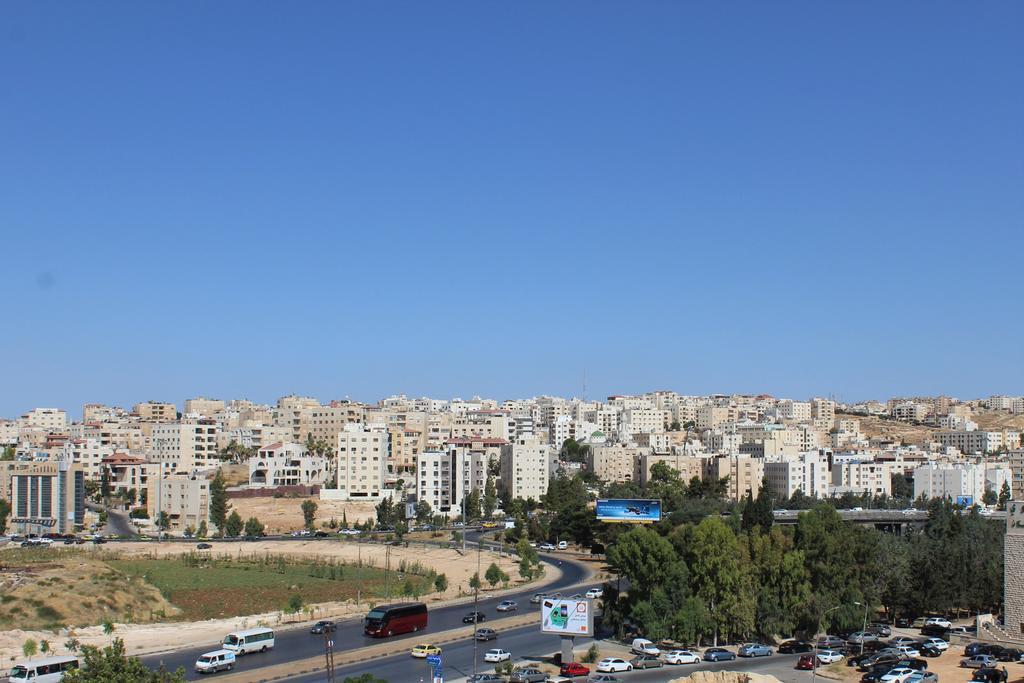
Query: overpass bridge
column 886, row 520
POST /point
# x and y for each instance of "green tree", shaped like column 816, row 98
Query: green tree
column 989, row 497
column 385, row 512
column 525, row 569
column 474, row 581
column 253, row 527
column 5, row 512
column 309, row 512
column 233, row 525
column 108, row 627
column 758, row 512
column 202, row 531
column 1004, row 496
column 163, row 521
column 112, row 664
column 44, row 646
column 8, row 454
column 720, row 580
column 423, row 512
column 902, row 487
column 675, row 426
column 219, row 502
column 294, row 603
column 105, row 483
column 490, row 500
column 493, row 574
column 472, row 506
column 131, row 495
column 440, row 583
column 364, row 678
column 29, row 648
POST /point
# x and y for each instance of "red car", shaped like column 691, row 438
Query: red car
column 806, row 662
column 573, row 669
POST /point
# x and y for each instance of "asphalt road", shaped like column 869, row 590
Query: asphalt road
column 295, row 644
column 528, row 643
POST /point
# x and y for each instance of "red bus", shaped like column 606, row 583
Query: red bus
column 388, row 620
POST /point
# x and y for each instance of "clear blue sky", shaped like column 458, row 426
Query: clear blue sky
column 247, row 199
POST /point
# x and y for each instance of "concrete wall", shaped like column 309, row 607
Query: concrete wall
column 1013, row 570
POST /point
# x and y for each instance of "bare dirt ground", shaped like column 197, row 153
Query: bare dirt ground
column 900, row 432
column 284, row 515
column 998, row 419
column 145, row 638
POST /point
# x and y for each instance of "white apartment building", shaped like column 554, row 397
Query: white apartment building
column 1000, row 402
column 606, row 419
column 959, row 423
column 185, row 447
column 967, row 481
column 807, row 472
column 744, row 473
column 434, row 482
column 286, row 464
column 48, row 419
column 524, row 468
column 726, row 443
column 1016, row 462
column 362, row 462
column 489, row 424
column 978, row 441
column 644, row 421
column 90, row 454
column 861, row 477
column 823, row 409
column 8, row 433
column 794, row 411
column 710, row 416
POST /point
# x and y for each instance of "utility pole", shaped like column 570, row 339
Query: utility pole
column 387, row 571
column 329, row 654
column 476, row 599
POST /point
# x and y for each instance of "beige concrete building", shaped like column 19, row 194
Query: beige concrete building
column 808, row 473
column 184, row 497
column 45, row 496
column 488, row 424
column 129, row 472
column 744, row 473
column 185, row 447
column 978, row 441
column 89, row 453
column 288, row 413
column 46, row 419
column 616, row 462
column 1016, row 461
column 205, row 407
column 362, row 462
column 688, row 466
column 524, row 468
column 406, row 445
column 324, row 423
column 286, row 464
column 823, row 409
column 710, row 416
column 154, row 411
column 435, row 482
column 98, row 412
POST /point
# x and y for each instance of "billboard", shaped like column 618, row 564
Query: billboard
column 965, row 501
column 567, row 617
column 629, row 510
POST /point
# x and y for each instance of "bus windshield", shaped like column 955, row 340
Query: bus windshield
column 19, row 673
column 375, row 615
column 231, row 639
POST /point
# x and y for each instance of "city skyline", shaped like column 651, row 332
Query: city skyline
column 801, row 200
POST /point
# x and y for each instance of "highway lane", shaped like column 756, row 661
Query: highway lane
column 298, row 643
column 528, row 643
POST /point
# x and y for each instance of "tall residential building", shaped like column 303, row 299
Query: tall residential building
column 90, row 454
column 324, row 423
column 1013, row 569
column 45, row 496
column 688, row 466
column 185, row 498
column 185, row 447
column 862, row 477
column 966, row 482
column 489, row 424
column 1016, row 461
column 434, row 481
column 979, row 441
column 362, row 462
column 807, row 472
column 48, row 419
column 154, row 411
column 524, row 468
column 616, row 462
column 744, row 474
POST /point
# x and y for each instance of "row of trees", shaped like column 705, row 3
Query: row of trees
column 733, row 578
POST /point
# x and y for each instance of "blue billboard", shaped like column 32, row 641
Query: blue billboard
column 965, row 501
column 637, row 511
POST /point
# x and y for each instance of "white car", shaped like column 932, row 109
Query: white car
column 899, row 675
column 507, row 606
column 610, row 665
column 829, row 656
column 546, row 546
column 681, row 657
column 563, row 545
column 907, row 651
column 642, row 646
column 595, row 593
column 941, row 622
column 938, row 643
column 497, row 655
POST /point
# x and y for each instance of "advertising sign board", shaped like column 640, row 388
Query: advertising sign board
column 629, row 510
column 567, row 617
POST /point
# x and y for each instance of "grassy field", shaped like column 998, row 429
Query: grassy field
column 228, row 586
column 51, row 588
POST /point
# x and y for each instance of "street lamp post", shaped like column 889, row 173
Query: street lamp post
column 814, row 661
column 864, row 628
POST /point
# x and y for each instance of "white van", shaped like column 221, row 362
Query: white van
column 249, row 640
column 642, row 646
column 563, row 545
column 218, row 660
column 43, row 670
